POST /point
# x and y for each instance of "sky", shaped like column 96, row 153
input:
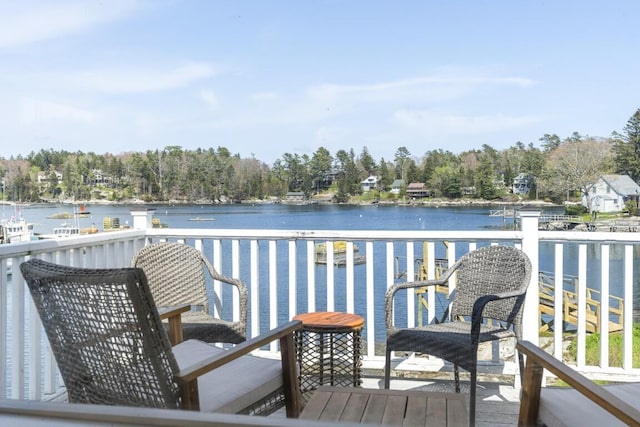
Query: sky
column 263, row 78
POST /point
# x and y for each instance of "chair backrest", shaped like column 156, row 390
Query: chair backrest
column 175, row 273
column 492, row 270
column 106, row 334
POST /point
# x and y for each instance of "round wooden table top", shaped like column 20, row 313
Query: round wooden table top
column 330, row 320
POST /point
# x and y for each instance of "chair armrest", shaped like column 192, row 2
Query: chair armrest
column 393, row 289
column 189, row 375
column 479, row 305
column 173, row 313
column 537, row 361
column 243, row 291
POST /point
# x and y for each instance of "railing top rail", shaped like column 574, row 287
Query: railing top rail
column 590, row 236
column 51, row 245
column 366, row 235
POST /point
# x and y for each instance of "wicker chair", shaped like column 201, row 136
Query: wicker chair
column 111, row 348
column 491, row 284
column 176, row 275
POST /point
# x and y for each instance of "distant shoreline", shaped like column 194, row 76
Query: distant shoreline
column 423, row 202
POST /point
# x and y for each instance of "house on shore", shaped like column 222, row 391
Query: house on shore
column 522, row 184
column 610, row 193
column 418, row 190
column 295, row 197
column 369, row 184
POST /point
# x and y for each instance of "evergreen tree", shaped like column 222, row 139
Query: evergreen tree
column 485, row 179
column 366, row 162
column 626, row 148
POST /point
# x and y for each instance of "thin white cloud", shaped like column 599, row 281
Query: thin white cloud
column 140, row 80
column 211, row 100
column 37, row 111
column 329, row 108
column 437, row 123
column 328, row 91
column 22, row 23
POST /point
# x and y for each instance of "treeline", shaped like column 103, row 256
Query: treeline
column 561, row 168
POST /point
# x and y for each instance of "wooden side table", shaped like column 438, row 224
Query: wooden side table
column 329, row 350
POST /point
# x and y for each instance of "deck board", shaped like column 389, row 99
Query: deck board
column 497, row 403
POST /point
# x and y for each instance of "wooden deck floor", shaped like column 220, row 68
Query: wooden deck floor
column 497, row 405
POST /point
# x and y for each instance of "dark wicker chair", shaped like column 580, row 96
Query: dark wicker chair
column 491, row 284
column 111, row 348
column 176, row 275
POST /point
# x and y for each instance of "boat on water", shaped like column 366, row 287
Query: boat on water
column 61, row 232
column 16, row 230
column 68, row 230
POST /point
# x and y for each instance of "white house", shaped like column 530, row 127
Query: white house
column 369, row 184
column 610, row 192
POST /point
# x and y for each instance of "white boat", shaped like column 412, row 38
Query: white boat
column 13, row 231
column 62, row 232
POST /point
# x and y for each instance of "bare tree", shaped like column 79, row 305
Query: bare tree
column 576, row 165
column 402, row 158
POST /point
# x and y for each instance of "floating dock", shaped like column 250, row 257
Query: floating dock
column 339, row 254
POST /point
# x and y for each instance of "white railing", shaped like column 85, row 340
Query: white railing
column 614, row 255
column 284, row 279
column 27, row 366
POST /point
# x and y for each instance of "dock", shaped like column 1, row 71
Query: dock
column 570, row 306
column 339, row 254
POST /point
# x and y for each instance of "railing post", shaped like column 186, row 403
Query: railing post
column 142, row 218
column 529, row 218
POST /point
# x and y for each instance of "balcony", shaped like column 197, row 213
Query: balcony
column 284, row 279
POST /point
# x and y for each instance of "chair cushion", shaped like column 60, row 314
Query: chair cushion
column 449, row 341
column 234, row 386
column 199, row 325
column 561, row 406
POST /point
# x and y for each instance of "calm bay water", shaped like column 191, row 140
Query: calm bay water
column 270, row 216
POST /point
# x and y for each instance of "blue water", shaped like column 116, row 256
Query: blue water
column 307, row 217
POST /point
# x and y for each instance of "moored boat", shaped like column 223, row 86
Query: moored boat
column 12, row 231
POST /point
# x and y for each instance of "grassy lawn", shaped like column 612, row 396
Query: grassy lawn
column 615, row 348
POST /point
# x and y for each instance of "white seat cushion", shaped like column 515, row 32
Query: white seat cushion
column 234, row 386
column 560, row 406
